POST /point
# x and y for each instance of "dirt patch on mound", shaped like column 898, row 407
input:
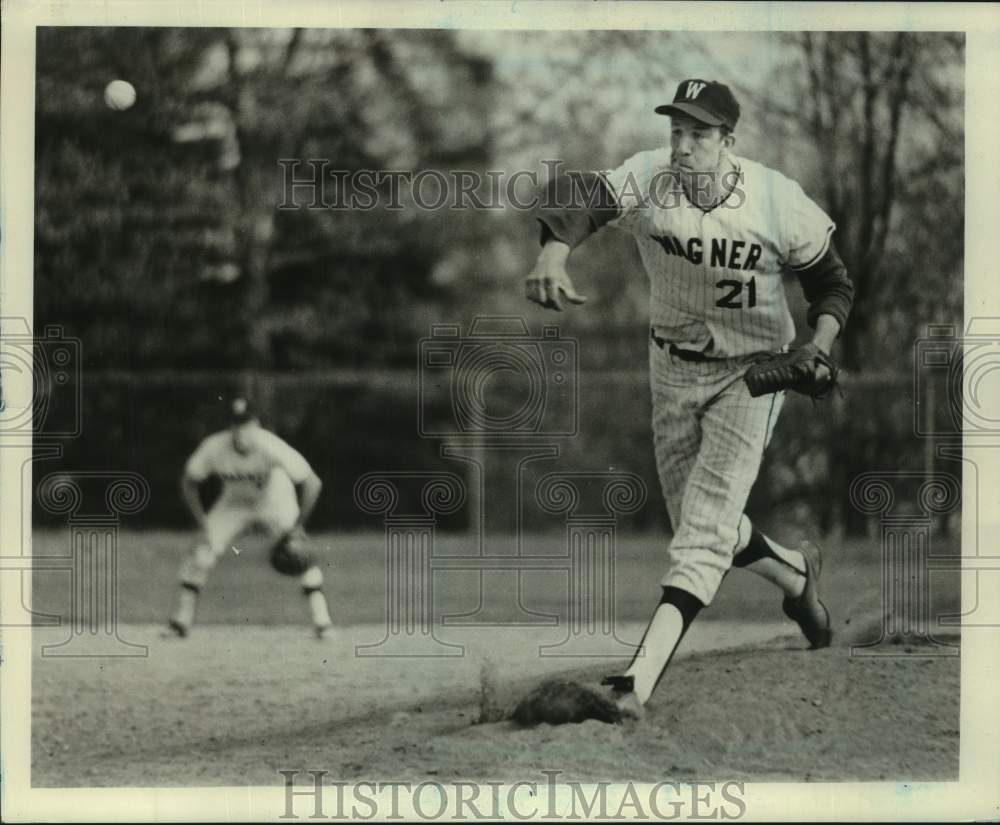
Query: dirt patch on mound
column 753, row 714
column 770, row 711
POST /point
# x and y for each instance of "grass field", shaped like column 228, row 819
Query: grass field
column 244, row 590
column 251, row 692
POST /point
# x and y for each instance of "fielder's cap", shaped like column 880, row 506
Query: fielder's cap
column 240, row 411
column 704, row 100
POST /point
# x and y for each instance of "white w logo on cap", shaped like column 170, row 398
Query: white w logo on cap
column 694, row 89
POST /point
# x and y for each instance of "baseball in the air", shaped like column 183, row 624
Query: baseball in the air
column 119, row 95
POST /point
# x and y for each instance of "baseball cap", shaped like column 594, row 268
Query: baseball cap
column 704, row 100
column 240, row 411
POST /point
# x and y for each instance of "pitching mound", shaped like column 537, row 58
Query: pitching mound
column 770, row 711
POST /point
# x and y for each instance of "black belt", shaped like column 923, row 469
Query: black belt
column 673, row 349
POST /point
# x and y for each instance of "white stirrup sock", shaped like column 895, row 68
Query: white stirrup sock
column 312, row 583
column 779, row 565
column 187, row 604
column 662, row 636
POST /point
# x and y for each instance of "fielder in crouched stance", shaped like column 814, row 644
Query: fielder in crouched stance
column 268, row 489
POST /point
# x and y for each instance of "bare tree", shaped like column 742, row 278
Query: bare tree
column 348, row 97
column 882, row 118
column 884, row 112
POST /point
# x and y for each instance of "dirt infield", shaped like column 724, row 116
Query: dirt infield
column 235, row 705
column 242, row 699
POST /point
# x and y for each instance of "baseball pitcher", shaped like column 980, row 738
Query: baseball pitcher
column 268, row 490
column 715, row 232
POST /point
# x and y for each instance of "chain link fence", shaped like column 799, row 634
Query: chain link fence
column 350, row 422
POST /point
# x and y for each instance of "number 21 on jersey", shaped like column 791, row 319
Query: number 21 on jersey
column 732, row 293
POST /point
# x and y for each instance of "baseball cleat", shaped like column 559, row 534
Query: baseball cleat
column 175, row 630
column 623, row 695
column 326, row 632
column 808, row 611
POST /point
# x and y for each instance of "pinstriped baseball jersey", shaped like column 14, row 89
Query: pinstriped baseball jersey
column 716, row 275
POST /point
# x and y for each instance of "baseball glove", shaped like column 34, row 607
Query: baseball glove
column 291, row 555
column 558, row 702
column 795, row 370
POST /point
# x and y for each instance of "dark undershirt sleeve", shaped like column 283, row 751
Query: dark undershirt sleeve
column 573, row 207
column 827, row 288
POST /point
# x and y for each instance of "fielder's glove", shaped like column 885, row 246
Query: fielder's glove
column 291, row 556
column 795, row 370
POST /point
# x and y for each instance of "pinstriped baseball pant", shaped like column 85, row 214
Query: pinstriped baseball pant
column 709, row 435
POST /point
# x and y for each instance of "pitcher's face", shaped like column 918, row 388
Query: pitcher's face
column 696, row 147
